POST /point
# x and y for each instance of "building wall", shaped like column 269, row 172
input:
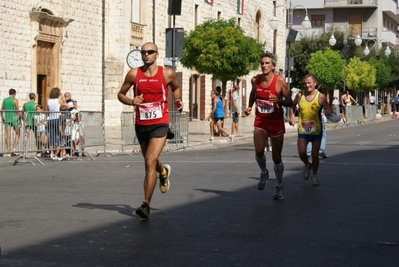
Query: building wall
column 15, row 56
column 80, row 68
column 94, row 77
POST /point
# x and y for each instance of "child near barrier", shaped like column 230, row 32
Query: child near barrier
column 77, row 136
column 40, row 120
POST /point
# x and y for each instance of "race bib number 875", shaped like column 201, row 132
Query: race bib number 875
column 150, row 111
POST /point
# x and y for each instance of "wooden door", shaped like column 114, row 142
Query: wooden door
column 355, row 24
column 44, row 68
column 194, row 97
column 42, row 91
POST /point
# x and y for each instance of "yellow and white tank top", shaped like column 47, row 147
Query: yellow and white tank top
column 310, row 115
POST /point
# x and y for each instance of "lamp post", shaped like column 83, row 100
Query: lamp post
column 366, row 50
column 358, row 41
column 306, row 24
column 387, row 51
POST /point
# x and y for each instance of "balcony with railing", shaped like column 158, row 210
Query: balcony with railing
column 390, row 36
column 390, row 8
column 351, row 3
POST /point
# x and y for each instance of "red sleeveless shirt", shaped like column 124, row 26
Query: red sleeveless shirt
column 154, row 109
column 269, row 115
column 264, row 106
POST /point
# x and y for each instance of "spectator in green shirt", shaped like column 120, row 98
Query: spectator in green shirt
column 11, row 119
column 29, row 109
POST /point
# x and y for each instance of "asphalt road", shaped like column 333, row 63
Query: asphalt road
column 80, row 213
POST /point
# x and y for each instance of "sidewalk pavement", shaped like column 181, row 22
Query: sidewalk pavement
column 199, row 134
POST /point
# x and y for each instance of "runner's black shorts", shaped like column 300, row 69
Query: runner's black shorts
column 145, row 133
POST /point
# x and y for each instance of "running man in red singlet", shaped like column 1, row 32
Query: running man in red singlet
column 270, row 93
column 150, row 84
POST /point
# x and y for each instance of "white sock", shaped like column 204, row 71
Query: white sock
column 279, row 170
column 262, row 163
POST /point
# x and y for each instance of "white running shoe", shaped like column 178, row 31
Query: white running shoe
column 315, row 181
column 278, row 193
column 164, row 182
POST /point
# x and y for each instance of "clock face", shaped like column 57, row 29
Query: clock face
column 133, row 59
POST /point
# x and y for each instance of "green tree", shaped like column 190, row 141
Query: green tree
column 383, row 72
column 360, row 75
column 393, row 62
column 302, row 49
column 327, row 66
column 220, row 48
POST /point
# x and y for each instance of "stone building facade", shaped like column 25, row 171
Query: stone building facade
column 81, row 46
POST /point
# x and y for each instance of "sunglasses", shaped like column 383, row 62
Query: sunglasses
column 150, row 52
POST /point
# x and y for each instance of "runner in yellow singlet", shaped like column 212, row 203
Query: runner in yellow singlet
column 309, row 124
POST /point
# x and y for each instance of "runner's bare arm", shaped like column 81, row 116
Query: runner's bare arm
column 19, row 114
column 292, row 109
column 353, row 99
column 127, row 84
column 282, row 88
column 251, row 97
column 327, row 109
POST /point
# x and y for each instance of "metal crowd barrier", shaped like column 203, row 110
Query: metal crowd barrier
column 180, row 127
column 91, row 132
column 37, row 135
column 178, row 123
column 371, row 112
column 128, row 133
column 354, row 114
column 46, row 134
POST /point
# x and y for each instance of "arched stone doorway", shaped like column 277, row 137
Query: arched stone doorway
column 48, row 35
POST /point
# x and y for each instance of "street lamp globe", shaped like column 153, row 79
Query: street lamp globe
column 387, row 52
column 273, row 23
column 358, row 40
column 366, row 51
column 306, row 24
column 332, row 41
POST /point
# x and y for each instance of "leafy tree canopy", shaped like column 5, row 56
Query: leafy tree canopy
column 360, row 75
column 383, row 72
column 327, row 66
column 220, row 48
column 393, row 62
column 308, row 44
